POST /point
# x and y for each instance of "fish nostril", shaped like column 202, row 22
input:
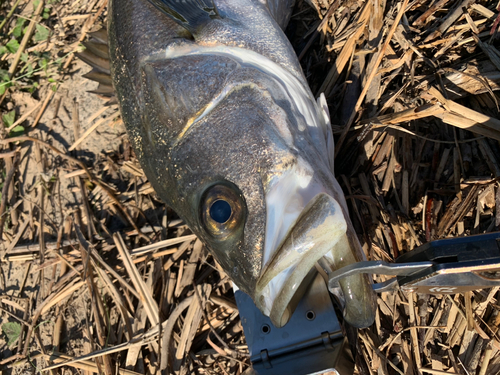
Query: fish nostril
column 220, row 211
column 265, row 329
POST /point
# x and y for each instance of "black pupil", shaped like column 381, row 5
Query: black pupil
column 220, row 211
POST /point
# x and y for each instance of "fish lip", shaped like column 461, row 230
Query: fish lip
column 320, row 225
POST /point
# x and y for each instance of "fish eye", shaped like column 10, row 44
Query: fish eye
column 222, row 210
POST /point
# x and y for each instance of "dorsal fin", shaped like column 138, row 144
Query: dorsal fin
column 190, row 14
column 94, row 61
column 97, row 56
column 98, row 49
column 100, row 36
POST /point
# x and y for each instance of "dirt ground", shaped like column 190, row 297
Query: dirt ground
column 59, row 128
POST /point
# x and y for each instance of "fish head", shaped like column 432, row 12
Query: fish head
column 257, row 204
column 242, row 170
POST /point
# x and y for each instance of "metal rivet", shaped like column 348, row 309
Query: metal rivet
column 310, row 315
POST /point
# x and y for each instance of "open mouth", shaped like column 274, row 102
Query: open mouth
column 319, row 231
column 316, row 231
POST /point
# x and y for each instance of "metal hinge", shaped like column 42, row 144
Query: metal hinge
column 311, row 342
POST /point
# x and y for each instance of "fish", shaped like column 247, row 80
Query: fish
column 230, row 136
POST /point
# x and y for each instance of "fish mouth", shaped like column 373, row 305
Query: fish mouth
column 317, row 230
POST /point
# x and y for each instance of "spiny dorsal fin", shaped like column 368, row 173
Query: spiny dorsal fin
column 98, row 49
column 100, row 36
column 94, row 61
column 190, row 14
column 104, row 90
column 97, row 56
column 98, row 76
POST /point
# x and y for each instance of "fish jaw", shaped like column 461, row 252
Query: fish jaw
column 303, row 223
column 360, row 301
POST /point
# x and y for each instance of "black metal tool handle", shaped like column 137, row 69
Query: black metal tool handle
column 435, row 266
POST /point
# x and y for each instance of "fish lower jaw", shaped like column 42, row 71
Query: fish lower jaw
column 319, row 228
column 274, row 299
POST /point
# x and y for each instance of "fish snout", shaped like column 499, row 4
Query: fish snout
column 319, row 231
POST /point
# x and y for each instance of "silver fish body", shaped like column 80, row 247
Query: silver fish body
column 230, row 136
